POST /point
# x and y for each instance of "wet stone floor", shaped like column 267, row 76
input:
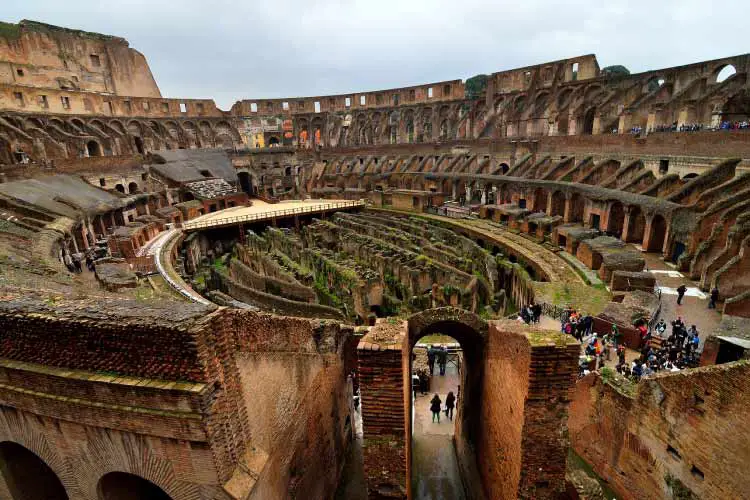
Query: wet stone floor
column 435, row 472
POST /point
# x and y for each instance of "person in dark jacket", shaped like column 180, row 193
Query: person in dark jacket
column 435, row 408
column 450, row 403
column 431, row 359
column 442, row 358
column 681, row 293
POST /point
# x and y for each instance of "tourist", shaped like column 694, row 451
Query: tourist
column 681, row 293
column 431, row 358
column 714, row 298
column 616, row 336
column 450, row 403
column 537, row 309
column 69, row 262
column 77, row 263
column 435, row 405
column 442, row 358
column 661, row 327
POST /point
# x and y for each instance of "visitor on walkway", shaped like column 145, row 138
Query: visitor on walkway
column 616, row 336
column 450, row 403
column 681, row 293
column 442, row 358
column 537, row 312
column 431, row 359
column 714, row 298
column 435, row 405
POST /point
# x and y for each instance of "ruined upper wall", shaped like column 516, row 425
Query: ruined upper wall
column 39, row 55
column 418, row 94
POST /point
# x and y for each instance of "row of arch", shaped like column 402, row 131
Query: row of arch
column 28, row 477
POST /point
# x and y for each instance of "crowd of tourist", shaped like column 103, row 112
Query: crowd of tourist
column 689, row 127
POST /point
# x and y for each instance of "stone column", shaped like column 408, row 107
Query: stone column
column 626, row 224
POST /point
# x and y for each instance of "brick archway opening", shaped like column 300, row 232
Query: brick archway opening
column 470, row 331
column 27, row 476
column 124, row 486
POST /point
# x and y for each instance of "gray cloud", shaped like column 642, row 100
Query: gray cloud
column 288, row 48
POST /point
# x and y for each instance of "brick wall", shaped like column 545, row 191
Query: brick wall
column 679, row 428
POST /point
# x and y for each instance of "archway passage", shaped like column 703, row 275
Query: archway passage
column 124, row 486
column 246, row 182
column 93, row 148
column 657, row 234
column 464, row 369
column 616, row 219
column 133, row 187
column 588, row 121
column 27, row 476
column 139, row 145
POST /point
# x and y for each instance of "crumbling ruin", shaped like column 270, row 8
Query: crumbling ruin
column 255, row 267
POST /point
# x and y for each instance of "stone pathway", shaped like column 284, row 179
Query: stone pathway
column 435, row 472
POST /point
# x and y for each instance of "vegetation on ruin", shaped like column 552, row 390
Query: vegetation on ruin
column 615, row 71
column 10, row 31
column 679, row 490
column 584, row 298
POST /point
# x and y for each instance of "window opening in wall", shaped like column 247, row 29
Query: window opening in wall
column 376, row 161
column 361, row 161
column 347, row 101
column 95, row 62
column 395, row 99
column 65, row 100
column 146, row 106
column 332, row 102
column 19, row 72
column 285, row 106
column 269, row 106
column 697, row 473
column 725, row 73
column 412, row 95
column 199, row 106
column 362, row 100
column 522, row 203
column 379, row 99
column 421, row 158
column 253, row 107
column 43, row 101
column 317, row 106
column 144, row 176
column 102, row 182
column 429, row 93
column 110, row 107
column 165, row 107
column 663, row 166
column 574, row 75
column 446, row 91
column 596, row 221
column 675, row 454
column 18, row 96
column 183, row 107
column 128, row 106
column 527, row 76
column 206, row 173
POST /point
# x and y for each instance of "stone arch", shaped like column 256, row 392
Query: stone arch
column 118, row 126
column 636, row 225
column 125, row 486
column 615, row 218
column 133, row 187
column 557, row 207
column 657, row 234
column 539, row 200
column 470, row 331
column 93, row 148
column 246, row 182
column 27, row 475
column 504, row 168
column 577, row 208
column 588, row 121
column 564, row 98
column 120, row 188
column 654, row 83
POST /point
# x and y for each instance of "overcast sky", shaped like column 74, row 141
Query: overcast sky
column 230, row 50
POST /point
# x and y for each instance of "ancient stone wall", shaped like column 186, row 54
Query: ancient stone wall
column 676, row 434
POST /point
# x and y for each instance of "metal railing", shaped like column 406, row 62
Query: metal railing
column 228, row 221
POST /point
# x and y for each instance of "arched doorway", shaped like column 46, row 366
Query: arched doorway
column 588, row 121
column 540, row 200
column 246, row 182
column 133, row 187
column 577, row 208
column 657, row 233
column 558, row 204
column 124, row 486
column 120, row 188
column 27, row 476
column 139, row 145
column 470, row 333
column 93, row 148
column 636, row 225
column 616, row 219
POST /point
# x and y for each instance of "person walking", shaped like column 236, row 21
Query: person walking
column 714, row 298
column 431, row 359
column 450, row 403
column 435, row 408
column 442, row 359
column 681, row 293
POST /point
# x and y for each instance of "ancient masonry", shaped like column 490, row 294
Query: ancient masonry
column 253, row 270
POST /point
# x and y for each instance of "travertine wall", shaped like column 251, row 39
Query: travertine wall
column 679, row 431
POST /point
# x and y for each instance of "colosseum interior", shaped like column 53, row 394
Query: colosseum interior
column 207, row 304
